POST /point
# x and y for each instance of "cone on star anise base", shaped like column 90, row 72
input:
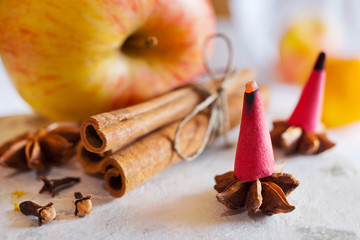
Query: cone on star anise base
column 300, row 133
column 253, row 184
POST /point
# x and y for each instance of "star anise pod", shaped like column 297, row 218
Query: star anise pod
column 53, row 145
column 267, row 194
column 296, row 140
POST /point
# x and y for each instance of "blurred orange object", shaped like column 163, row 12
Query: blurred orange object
column 299, row 46
column 342, row 92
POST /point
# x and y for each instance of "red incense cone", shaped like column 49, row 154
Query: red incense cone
column 254, row 155
column 309, row 108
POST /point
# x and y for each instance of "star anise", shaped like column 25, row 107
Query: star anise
column 296, row 140
column 53, row 145
column 267, row 194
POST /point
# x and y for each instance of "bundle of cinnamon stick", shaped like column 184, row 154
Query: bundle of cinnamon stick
column 131, row 145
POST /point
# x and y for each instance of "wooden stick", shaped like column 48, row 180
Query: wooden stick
column 137, row 163
column 114, row 130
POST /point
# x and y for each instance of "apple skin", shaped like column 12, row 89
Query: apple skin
column 300, row 45
column 67, row 58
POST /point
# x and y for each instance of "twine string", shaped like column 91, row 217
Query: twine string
column 217, row 103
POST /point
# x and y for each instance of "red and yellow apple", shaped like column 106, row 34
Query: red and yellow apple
column 299, row 46
column 73, row 58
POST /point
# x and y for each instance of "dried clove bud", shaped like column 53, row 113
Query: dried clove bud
column 83, row 205
column 55, row 185
column 45, row 213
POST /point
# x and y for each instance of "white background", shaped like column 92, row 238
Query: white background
column 10, row 101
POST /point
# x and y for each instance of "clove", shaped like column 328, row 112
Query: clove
column 45, row 213
column 83, row 205
column 54, row 185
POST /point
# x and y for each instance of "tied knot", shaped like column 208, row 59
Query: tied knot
column 215, row 101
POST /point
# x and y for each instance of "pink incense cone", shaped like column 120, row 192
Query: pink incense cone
column 309, row 108
column 254, row 155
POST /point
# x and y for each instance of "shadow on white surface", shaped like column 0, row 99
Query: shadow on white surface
column 18, row 221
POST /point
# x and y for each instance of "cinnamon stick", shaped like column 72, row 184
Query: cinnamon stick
column 133, row 165
column 114, row 130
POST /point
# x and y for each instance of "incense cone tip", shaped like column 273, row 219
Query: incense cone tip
column 251, row 87
column 320, row 62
